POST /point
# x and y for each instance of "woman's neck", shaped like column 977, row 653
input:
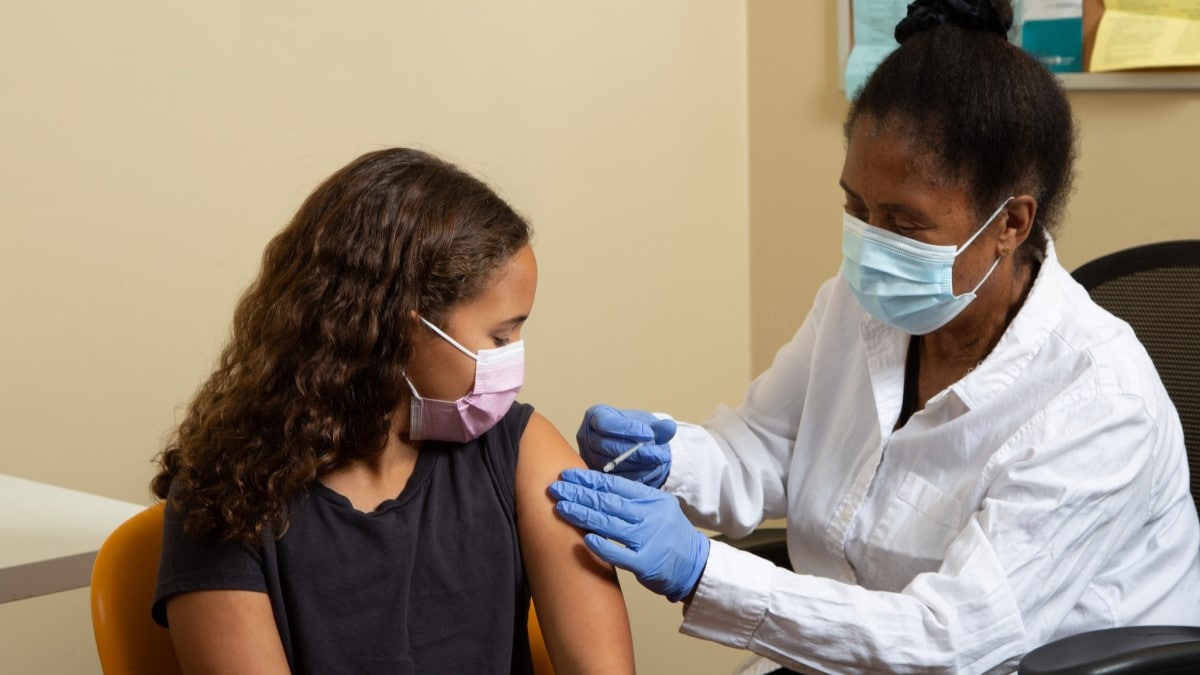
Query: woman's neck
column 964, row 344
column 947, row 355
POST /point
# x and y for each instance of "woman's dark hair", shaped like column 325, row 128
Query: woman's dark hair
column 312, row 370
column 986, row 111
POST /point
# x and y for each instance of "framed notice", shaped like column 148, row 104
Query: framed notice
column 1088, row 44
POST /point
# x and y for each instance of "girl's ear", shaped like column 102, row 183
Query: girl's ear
column 414, row 326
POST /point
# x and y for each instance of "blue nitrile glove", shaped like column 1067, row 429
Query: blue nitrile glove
column 659, row 546
column 606, row 432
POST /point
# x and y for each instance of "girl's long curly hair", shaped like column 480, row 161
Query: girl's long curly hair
column 312, row 371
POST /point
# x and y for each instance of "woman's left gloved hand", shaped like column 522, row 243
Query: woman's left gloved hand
column 654, row 540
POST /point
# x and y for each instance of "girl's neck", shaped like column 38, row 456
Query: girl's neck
column 372, row 480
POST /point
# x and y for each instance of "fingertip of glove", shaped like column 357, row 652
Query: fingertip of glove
column 594, row 542
column 664, row 430
column 568, row 511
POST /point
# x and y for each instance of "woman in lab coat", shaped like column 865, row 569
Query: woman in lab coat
column 972, row 457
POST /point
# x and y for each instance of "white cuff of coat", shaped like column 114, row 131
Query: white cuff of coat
column 732, row 597
column 691, row 445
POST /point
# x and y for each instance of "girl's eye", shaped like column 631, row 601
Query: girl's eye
column 501, row 341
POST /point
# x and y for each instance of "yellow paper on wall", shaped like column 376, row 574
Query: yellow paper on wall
column 1147, row 34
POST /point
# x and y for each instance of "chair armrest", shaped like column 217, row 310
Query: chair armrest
column 1115, row 651
column 765, row 542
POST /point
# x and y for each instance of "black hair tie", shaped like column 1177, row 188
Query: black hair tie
column 926, row 14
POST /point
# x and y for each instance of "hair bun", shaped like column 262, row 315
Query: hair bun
column 990, row 16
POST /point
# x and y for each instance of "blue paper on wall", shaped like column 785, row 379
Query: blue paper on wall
column 874, row 38
column 1052, row 31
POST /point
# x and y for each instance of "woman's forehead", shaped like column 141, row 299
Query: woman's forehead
column 885, row 163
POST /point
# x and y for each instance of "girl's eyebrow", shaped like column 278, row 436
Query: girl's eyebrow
column 515, row 320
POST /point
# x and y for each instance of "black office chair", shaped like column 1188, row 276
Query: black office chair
column 1156, row 289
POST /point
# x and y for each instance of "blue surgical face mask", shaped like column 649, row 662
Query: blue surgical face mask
column 905, row 283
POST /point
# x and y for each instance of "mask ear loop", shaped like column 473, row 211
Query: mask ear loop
column 977, row 233
column 411, row 387
column 447, row 338
column 985, row 277
column 981, row 227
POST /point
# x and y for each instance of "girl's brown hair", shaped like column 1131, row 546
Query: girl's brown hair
column 312, row 370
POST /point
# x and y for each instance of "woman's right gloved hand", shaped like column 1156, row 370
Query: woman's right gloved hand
column 606, row 432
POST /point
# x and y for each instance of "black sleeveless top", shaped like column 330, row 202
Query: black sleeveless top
column 430, row 582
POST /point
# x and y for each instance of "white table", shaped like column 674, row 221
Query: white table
column 49, row 536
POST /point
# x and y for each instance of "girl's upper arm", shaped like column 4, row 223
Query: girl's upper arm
column 578, row 599
column 218, row 632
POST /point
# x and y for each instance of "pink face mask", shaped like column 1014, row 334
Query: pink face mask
column 499, row 374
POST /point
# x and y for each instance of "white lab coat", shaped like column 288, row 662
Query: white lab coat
column 1043, row 494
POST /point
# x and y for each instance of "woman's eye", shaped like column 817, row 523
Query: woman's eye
column 903, row 226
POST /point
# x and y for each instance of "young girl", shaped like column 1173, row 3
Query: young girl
column 355, row 489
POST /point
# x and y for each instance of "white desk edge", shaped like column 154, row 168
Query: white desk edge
column 49, row 536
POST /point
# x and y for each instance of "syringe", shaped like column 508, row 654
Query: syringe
column 664, row 430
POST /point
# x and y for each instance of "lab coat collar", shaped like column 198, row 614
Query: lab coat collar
column 1023, row 338
column 886, row 349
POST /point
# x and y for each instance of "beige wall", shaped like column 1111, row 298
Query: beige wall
column 151, row 149
column 795, row 139
column 1136, row 173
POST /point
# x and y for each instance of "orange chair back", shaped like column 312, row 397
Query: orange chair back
column 123, row 578
column 537, row 646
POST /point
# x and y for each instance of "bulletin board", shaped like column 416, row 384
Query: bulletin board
column 1093, row 10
